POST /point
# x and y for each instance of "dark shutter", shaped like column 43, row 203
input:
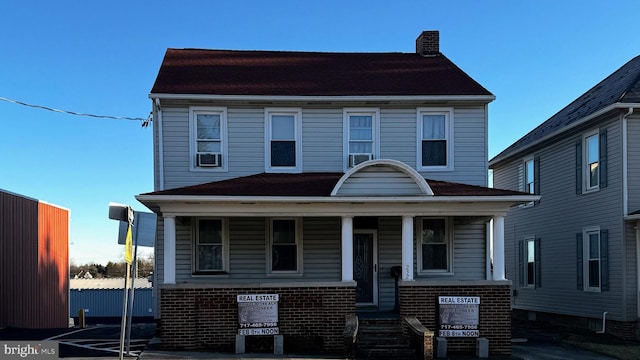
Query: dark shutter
column 521, row 265
column 604, row 260
column 536, row 177
column 579, row 255
column 602, row 148
column 579, row 167
column 537, row 262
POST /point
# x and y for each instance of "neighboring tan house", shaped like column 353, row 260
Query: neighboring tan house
column 34, row 263
column 316, row 177
column 576, row 251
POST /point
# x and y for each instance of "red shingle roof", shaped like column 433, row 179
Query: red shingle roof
column 310, row 184
column 280, row 73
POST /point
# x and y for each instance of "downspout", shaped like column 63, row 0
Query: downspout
column 604, row 322
column 160, row 146
column 625, row 197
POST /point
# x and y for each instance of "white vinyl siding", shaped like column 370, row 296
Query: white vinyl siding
column 380, row 181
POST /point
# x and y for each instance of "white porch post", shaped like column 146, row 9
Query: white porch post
column 407, row 248
column 169, row 250
column 347, row 248
column 498, row 248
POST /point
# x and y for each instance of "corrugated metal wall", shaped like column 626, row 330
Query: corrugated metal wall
column 108, row 302
column 34, row 263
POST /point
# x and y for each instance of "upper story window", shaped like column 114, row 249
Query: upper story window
column 434, row 242
column 208, row 138
column 435, row 139
column 285, row 247
column 283, row 132
column 211, row 246
column 591, row 162
column 593, row 259
column 529, row 183
column 361, row 136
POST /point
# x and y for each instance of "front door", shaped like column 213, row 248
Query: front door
column 365, row 267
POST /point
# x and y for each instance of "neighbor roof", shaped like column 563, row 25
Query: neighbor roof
column 282, row 73
column 622, row 86
column 310, row 184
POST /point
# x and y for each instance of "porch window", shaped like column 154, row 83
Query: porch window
column 283, row 140
column 435, row 139
column 210, row 246
column 208, row 138
column 435, row 245
column 285, row 247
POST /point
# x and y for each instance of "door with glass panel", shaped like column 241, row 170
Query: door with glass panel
column 365, row 267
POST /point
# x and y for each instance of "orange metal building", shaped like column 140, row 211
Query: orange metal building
column 34, row 263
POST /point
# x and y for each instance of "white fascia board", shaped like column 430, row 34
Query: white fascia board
column 596, row 114
column 482, row 98
column 333, row 206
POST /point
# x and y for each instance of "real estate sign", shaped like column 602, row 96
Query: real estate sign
column 459, row 316
column 258, row 314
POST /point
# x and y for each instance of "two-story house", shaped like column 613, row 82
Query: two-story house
column 321, row 178
column 574, row 255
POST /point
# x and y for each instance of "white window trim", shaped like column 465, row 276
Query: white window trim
column 297, row 113
column 299, row 252
column 448, row 224
column 195, row 272
column 375, row 113
column 449, row 123
column 222, row 111
column 526, row 262
column 585, row 259
column 586, row 173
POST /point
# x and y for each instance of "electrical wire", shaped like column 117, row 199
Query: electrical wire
column 145, row 122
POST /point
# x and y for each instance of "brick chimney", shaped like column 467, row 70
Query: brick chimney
column 428, row 43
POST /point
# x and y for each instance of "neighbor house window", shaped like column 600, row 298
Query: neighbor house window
column 434, row 241
column 530, row 262
column 283, row 130
column 361, row 133
column 211, row 253
column 593, row 259
column 529, row 184
column 591, row 162
column 285, row 246
column 435, row 139
column 208, row 138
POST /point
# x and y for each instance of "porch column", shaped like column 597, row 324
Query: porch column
column 407, row 248
column 169, row 250
column 347, row 248
column 498, row 248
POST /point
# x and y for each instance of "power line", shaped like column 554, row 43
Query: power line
column 145, row 122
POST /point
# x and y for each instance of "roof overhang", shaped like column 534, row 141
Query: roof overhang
column 616, row 106
column 403, row 98
column 197, row 205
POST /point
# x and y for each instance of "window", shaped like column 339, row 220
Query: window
column 208, row 138
column 284, row 247
column 529, row 176
column 591, row 162
column 435, row 139
column 361, row 133
column 434, row 252
column 283, row 129
column 210, row 246
column 593, row 259
column 529, row 257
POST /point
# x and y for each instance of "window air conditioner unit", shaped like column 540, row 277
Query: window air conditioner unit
column 355, row 159
column 209, row 159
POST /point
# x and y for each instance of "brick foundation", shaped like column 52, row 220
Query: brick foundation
column 420, row 299
column 312, row 319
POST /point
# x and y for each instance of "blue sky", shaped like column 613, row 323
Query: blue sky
column 102, row 58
